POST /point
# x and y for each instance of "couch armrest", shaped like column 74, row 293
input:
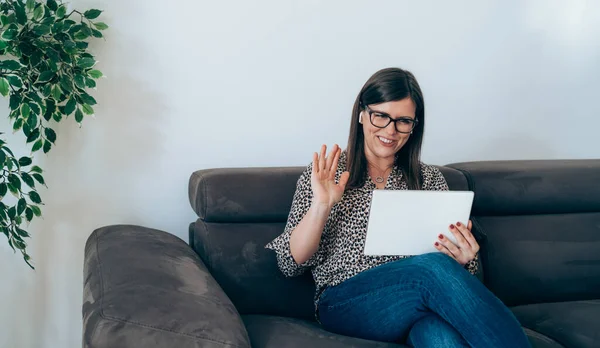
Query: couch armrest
column 148, row 288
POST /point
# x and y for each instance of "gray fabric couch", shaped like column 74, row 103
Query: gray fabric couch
column 538, row 223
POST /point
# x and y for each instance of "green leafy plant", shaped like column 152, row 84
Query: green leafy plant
column 45, row 71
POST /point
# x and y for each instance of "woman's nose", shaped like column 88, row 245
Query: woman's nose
column 391, row 128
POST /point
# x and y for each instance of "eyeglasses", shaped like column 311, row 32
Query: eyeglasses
column 382, row 120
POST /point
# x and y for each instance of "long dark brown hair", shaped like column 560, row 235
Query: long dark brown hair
column 386, row 85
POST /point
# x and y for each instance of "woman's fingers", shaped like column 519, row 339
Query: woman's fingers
column 334, row 163
column 460, row 239
column 330, row 159
column 315, row 166
column 449, row 245
column 322, row 157
column 466, row 233
column 443, row 249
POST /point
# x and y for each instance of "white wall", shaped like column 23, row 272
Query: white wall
column 199, row 84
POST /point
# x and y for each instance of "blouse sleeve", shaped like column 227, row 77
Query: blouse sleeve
column 437, row 182
column 281, row 245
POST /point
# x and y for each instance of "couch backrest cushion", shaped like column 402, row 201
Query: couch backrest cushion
column 533, row 187
column 541, row 221
column 235, row 255
column 243, row 194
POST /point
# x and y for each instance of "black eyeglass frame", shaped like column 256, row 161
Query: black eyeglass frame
column 390, row 119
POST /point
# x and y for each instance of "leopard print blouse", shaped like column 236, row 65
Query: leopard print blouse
column 340, row 254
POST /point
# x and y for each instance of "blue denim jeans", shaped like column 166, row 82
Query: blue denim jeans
column 426, row 301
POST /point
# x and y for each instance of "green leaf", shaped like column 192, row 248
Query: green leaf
column 92, row 14
column 78, row 115
column 82, row 45
column 50, row 134
column 17, row 125
column 15, row 101
column 96, row 33
column 86, row 63
column 39, row 178
column 56, row 92
column 19, row 244
column 35, row 97
column 45, row 77
column 15, row 181
column 12, row 212
column 21, row 232
column 85, row 29
column 26, row 127
column 35, row 109
column 87, row 109
column 7, row 150
column 9, row 34
column 35, row 134
column 66, row 84
column 80, row 81
column 36, row 58
column 61, row 11
column 30, row 4
column 3, row 44
column 87, row 99
column 37, row 169
column 38, row 145
column 39, row 12
column 90, row 82
column 15, row 81
column 52, row 5
column 13, row 189
column 35, row 198
column 50, row 108
column 95, row 74
column 36, row 210
column 28, row 216
column 68, row 23
column 80, row 35
column 11, row 64
column 70, row 46
column 28, row 179
column 47, row 146
column 57, row 117
column 2, row 158
column 48, row 20
column 25, row 110
column 101, row 26
column 70, row 106
column 47, row 91
column 4, row 86
column 21, row 14
column 3, row 189
column 21, row 205
column 41, row 30
column 4, row 20
column 25, row 161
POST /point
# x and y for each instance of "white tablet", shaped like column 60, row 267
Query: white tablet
column 408, row 222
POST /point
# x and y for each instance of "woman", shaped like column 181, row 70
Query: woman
column 429, row 300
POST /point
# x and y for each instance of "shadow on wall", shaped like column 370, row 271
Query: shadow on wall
column 92, row 175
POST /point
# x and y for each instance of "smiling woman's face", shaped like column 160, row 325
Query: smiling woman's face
column 384, row 143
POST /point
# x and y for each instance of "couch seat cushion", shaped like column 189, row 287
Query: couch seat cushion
column 572, row 324
column 272, row 331
column 281, row 332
